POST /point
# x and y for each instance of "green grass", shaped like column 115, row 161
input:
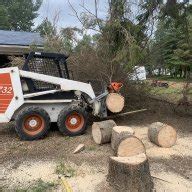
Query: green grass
column 67, row 138
column 65, row 170
column 91, row 148
column 162, row 90
column 39, row 186
column 167, row 78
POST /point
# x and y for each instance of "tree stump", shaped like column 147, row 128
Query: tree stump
column 102, row 131
column 129, row 146
column 130, row 174
column 119, row 133
column 162, row 134
column 115, row 102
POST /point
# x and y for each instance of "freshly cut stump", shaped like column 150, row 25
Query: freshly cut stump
column 115, row 102
column 101, row 131
column 162, row 134
column 119, row 133
column 130, row 146
column 130, row 174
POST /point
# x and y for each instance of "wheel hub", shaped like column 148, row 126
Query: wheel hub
column 33, row 123
column 73, row 121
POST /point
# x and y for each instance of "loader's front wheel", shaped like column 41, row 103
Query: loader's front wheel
column 32, row 123
column 72, row 121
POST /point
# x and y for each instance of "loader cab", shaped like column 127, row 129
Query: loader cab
column 52, row 64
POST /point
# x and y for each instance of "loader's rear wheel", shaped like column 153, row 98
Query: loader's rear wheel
column 32, row 123
column 72, row 121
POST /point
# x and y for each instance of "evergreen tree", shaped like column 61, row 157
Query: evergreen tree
column 18, row 14
column 4, row 24
column 46, row 28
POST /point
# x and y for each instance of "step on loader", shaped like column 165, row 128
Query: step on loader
column 43, row 92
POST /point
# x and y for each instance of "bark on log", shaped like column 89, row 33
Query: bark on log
column 101, row 131
column 130, row 174
column 119, row 133
column 115, row 102
column 130, row 146
column 162, row 134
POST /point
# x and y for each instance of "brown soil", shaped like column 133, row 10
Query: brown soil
column 24, row 162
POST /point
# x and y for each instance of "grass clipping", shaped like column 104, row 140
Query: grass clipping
column 65, row 170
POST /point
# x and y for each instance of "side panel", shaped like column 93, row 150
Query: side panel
column 11, row 95
column 6, row 92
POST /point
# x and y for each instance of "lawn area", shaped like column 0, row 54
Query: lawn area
column 173, row 93
column 168, row 78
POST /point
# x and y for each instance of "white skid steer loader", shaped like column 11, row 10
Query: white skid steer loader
column 42, row 92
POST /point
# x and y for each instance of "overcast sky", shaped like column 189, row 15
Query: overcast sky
column 50, row 8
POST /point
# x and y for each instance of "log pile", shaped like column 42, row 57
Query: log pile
column 129, row 168
column 162, row 134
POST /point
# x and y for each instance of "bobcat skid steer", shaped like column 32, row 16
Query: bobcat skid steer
column 42, row 92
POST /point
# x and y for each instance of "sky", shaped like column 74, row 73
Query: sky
column 50, row 8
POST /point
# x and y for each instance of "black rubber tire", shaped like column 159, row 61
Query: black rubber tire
column 31, row 111
column 61, row 122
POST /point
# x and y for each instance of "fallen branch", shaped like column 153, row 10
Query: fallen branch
column 126, row 113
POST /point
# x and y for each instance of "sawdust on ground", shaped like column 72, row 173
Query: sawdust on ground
column 25, row 162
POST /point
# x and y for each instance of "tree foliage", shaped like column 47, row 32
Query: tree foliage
column 18, row 15
column 172, row 44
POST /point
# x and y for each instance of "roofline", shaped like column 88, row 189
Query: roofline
column 40, row 45
column 16, row 50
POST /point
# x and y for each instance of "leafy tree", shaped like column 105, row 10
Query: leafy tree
column 85, row 43
column 19, row 14
column 46, row 28
column 171, row 47
column 4, row 24
column 69, row 37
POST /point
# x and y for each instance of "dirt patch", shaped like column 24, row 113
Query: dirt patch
column 27, row 173
column 22, row 163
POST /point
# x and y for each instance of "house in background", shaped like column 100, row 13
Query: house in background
column 16, row 43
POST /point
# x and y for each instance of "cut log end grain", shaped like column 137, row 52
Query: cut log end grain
column 162, row 134
column 119, row 133
column 123, row 129
column 115, row 102
column 130, row 173
column 132, row 160
column 101, row 131
column 130, row 146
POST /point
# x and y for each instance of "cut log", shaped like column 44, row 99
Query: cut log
column 115, row 102
column 130, row 174
column 119, row 133
column 130, row 146
column 102, row 131
column 162, row 134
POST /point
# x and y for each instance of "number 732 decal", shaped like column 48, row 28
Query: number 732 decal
column 6, row 90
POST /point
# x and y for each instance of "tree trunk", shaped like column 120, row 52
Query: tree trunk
column 162, row 134
column 129, row 146
column 102, row 131
column 115, row 102
column 119, row 133
column 130, row 174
